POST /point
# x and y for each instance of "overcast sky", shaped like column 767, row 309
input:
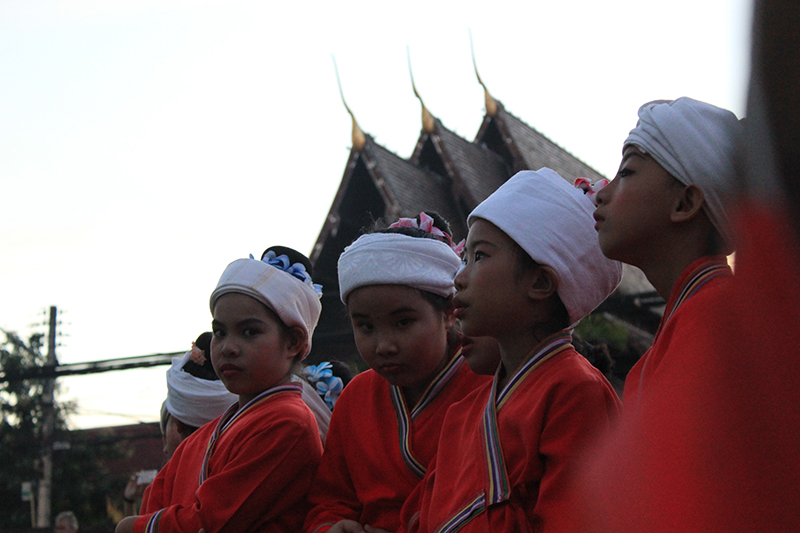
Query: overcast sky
column 146, row 144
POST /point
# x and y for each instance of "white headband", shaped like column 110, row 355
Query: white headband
column 192, row 400
column 296, row 303
column 397, row 259
column 697, row 144
column 552, row 221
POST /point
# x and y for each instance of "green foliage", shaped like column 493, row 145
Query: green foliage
column 597, row 329
column 79, row 482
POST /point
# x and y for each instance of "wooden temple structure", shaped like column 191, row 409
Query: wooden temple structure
column 451, row 175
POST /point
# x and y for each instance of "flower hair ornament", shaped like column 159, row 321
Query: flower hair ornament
column 297, row 270
column 326, row 384
column 426, row 224
column 591, row 190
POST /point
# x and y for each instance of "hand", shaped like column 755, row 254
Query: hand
column 347, row 526
column 132, row 490
column 126, row 525
column 371, row 529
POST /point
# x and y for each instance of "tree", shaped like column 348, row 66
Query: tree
column 79, row 480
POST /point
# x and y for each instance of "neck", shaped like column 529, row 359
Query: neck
column 414, row 392
column 664, row 269
column 514, row 350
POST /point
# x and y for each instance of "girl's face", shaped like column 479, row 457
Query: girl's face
column 251, row 350
column 633, row 211
column 400, row 335
column 172, row 436
column 491, row 297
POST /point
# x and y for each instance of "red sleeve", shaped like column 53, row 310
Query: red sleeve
column 333, row 494
column 266, row 474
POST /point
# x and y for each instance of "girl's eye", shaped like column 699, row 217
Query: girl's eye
column 249, row 332
column 479, row 255
column 624, row 172
column 218, row 333
column 364, row 327
column 403, row 322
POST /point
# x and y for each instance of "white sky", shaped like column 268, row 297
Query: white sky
column 146, row 144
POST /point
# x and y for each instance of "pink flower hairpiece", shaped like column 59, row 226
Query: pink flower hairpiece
column 426, row 224
column 197, row 355
column 591, row 190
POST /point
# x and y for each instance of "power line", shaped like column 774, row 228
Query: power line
column 91, row 367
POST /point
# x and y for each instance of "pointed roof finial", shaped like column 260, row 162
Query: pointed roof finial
column 491, row 103
column 428, row 124
column 358, row 137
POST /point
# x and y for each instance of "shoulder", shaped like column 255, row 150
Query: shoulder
column 363, row 386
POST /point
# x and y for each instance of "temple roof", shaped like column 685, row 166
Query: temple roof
column 451, row 175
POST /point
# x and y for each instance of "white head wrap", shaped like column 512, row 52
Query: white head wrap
column 294, row 301
column 697, row 144
column 192, row 400
column 397, row 259
column 552, row 221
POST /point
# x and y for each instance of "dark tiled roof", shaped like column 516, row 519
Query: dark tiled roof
column 413, row 188
column 538, row 151
column 480, row 170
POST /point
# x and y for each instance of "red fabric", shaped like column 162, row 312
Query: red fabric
column 546, row 423
column 715, row 445
column 686, row 324
column 363, row 476
column 259, row 474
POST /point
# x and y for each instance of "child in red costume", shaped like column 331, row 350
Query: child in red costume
column 666, row 212
column 251, row 469
column 506, row 454
column 712, row 445
column 398, row 286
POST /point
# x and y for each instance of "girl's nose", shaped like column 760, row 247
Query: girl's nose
column 460, row 278
column 386, row 345
column 229, row 348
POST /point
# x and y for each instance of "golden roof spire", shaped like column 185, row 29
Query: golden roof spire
column 428, row 124
column 358, row 137
column 491, row 103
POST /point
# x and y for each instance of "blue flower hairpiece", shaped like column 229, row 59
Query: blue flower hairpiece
column 297, row 270
column 327, row 385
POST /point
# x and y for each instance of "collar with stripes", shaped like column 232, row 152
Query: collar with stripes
column 234, row 413
column 405, row 416
column 498, row 486
column 695, row 276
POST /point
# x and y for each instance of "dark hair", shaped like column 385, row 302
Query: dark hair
column 342, row 371
column 206, row 370
column 293, row 255
column 559, row 316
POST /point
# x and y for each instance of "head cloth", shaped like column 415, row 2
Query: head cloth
column 397, row 259
column 697, row 144
column 192, row 400
column 295, row 302
column 552, row 221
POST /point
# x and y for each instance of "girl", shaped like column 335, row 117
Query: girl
column 251, row 470
column 533, row 269
column 397, row 285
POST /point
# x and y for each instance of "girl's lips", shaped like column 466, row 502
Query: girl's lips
column 458, row 307
column 229, row 369
column 390, row 368
column 598, row 220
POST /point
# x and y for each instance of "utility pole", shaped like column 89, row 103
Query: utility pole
column 45, row 484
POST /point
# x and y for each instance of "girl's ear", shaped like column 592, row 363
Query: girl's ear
column 296, row 341
column 688, row 205
column 543, row 283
